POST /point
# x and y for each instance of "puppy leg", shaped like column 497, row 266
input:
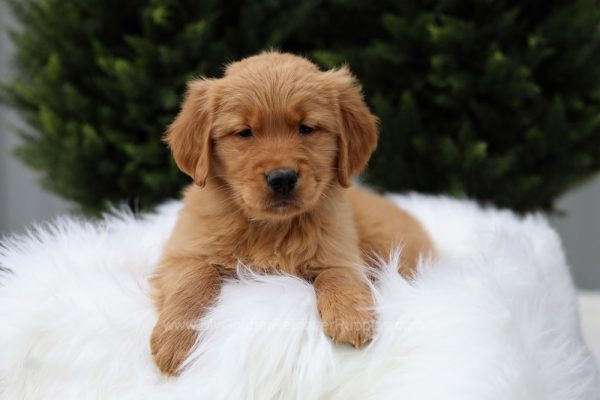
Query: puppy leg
column 186, row 287
column 346, row 305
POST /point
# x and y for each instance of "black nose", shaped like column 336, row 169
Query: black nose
column 282, row 181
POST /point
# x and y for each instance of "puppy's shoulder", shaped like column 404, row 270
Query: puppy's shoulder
column 363, row 199
column 375, row 215
column 205, row 218
column 207, row 202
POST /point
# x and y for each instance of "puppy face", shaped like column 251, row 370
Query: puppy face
column 274, row 131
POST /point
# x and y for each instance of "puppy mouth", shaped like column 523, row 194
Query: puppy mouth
column 282, row 204
column 275, row 205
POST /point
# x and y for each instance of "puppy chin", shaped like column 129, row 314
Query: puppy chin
column 277, row 211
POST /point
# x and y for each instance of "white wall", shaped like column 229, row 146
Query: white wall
column 22, row 201
column 580, row 232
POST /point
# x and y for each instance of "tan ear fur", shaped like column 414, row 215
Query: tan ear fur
column 188, row 136
column 358, row 127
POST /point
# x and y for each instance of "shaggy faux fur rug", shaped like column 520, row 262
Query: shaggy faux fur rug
column 495, row 317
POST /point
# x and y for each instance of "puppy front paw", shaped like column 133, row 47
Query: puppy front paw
column 171, row 344
column 348, row 316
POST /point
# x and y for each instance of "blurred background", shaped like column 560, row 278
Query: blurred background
column 493, row 100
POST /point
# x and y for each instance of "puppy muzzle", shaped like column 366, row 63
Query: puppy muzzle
column 282, row 181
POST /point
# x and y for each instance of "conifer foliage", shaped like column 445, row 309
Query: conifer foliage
column 497, row 100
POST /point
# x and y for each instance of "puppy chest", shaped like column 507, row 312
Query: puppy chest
column 269, row 251
column 277, row 257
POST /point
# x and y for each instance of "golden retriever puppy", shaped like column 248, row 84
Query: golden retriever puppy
column 272, row 147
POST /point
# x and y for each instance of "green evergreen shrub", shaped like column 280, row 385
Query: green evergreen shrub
column 497, row 100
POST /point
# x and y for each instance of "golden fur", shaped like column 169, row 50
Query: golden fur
column 323, row 232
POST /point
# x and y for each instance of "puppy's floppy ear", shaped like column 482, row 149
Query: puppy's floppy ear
column 358, row 127
column 189, row 135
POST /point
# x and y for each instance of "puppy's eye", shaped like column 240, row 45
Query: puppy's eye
column 305, row 130
column 246, row 133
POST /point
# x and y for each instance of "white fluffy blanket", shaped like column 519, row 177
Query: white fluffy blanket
column 495, row 317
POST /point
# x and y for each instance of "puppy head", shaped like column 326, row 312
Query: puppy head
column 275, row 131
